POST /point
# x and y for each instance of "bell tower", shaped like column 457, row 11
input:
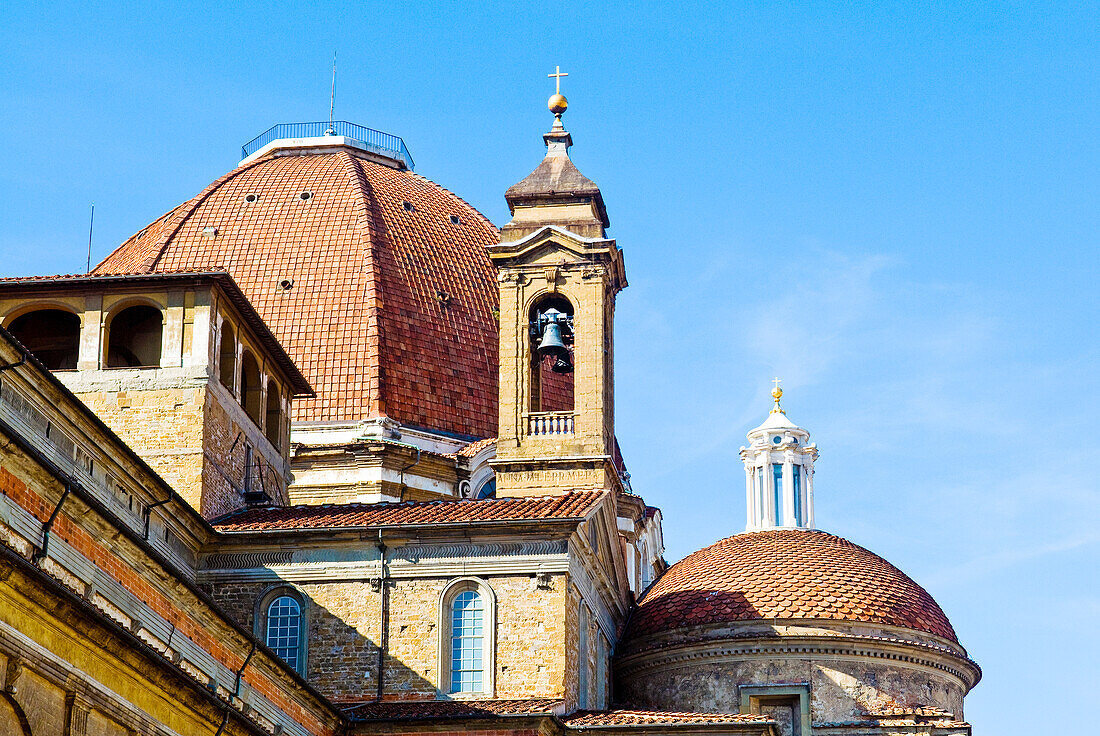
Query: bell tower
column 558, row 275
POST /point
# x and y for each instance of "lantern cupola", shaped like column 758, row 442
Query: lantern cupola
column 779, row 472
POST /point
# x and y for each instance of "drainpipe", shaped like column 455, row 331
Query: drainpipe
column 236, row 689
column 149, row 513
column 383, row 635
column 414, row 463
column 41, row 553
column 16, row 364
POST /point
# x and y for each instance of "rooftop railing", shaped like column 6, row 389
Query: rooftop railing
column 381, row 143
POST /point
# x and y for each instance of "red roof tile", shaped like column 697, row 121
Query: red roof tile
column 630, row 717
column 474, row 448
column 574, row 505
column 406, row 710
column 786, row 574
column 391, row 310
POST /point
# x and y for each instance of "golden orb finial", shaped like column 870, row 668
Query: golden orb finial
column 557, row 104
column 777, row 394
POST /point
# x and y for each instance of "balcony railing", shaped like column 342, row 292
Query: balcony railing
column 547, row 423
column 381, row 143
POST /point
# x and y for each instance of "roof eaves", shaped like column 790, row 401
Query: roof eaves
column 554, row 520
column 222, row 278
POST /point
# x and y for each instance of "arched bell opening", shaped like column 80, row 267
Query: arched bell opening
column 134, row 338
column 52, row 336
column 551, row 327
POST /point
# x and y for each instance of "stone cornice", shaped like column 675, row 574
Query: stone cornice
column 406, row 562
column 800, row 646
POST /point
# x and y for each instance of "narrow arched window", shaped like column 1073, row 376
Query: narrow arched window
column 227, row 357
column 284, row 629
column 273, row 420
column 134, row 338
column 250, row 386
column 52, row 335
column 467, row 643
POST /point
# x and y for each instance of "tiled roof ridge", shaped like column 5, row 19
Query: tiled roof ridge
column 459, row 197
column 182, row 214
column 134, row 238
column 366, row 220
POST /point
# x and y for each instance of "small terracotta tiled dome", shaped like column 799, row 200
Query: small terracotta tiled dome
column 786, row 574
column 376, row 281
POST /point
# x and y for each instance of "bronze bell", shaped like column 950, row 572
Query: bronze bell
column 551, row 342
column 562, row 365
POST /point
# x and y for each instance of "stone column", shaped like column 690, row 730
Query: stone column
column 789, row 518
column 750, row 500
column 171, row 350
column 91, row 334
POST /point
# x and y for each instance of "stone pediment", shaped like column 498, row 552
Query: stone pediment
column 551, row 245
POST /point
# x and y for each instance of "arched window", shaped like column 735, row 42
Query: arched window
column 488, row 489
column 273, row 421
column 227, row 356
column 250, row 386
column 283, row 632
column 134, row 338
column 466, row 643
column 52, row 335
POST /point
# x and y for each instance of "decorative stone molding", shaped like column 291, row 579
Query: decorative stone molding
column 247, row 560
column 418, row 553
column 841, row 646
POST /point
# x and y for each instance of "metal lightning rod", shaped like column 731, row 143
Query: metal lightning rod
column 91, row 222
column 332, row 100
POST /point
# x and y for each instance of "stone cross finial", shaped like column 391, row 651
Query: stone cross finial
column 557, row 75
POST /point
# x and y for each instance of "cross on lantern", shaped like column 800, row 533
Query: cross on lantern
column 557, row 75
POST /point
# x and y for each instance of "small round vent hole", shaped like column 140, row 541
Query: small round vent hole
column 286, row 284
column 250, row 198
column 305, row 195
column 408, row 206
column 455, row 220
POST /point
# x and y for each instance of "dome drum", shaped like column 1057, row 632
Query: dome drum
column 845, row 680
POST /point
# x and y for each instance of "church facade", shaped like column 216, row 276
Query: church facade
column 324, row 451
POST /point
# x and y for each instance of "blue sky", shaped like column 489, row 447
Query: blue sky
column 893, row 206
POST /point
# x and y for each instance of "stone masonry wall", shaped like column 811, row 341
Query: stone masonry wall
column 343, row 621
column 840, row 689
column 224, row 440
column 164, row 426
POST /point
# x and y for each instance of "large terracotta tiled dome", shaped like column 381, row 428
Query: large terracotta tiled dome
column 390, row 311
column 786, row 574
